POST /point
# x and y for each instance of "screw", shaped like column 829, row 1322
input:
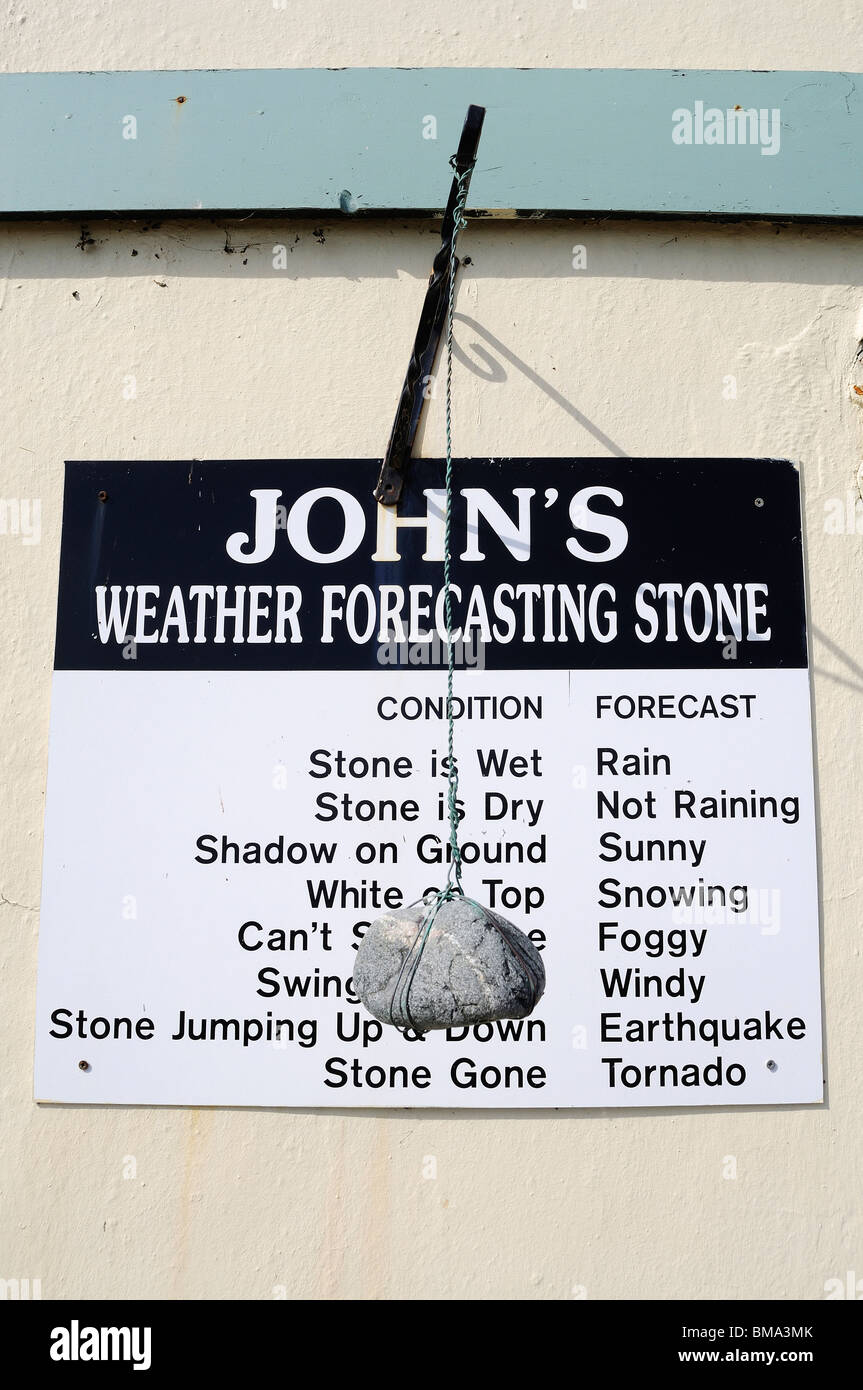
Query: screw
column 103, row 496
column 759, row 501
column 83, row 1066
column 772, row 1066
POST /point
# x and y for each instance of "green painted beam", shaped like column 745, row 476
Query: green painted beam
column 323, row 141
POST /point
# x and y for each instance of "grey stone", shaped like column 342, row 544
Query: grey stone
column 475, row 967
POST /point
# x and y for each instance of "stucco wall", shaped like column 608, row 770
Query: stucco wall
column 37, row 36
column 676, row 339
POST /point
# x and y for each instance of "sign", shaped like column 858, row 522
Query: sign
column 247, row 764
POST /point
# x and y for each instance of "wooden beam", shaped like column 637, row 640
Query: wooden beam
column 323, row 142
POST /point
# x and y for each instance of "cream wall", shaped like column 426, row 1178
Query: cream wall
column 231, row 358
column 38, row 35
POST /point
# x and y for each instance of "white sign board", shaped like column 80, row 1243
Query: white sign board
column 247, row 742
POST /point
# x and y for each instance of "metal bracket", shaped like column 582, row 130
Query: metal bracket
column 432, row 318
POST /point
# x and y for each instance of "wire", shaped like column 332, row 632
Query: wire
column 453, row 881
column 400, row 1010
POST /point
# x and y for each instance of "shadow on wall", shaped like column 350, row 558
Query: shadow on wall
column 853, row 677
column 489, row 369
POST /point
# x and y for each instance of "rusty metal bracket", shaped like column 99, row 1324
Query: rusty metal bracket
column 432, row 319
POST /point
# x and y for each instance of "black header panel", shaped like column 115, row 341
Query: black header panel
column 557, row 563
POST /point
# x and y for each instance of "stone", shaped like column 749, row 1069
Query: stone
column 475, row 967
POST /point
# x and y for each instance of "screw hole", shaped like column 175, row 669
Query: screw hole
column 772, row 1066
column 103, row 496
column 759, row 501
